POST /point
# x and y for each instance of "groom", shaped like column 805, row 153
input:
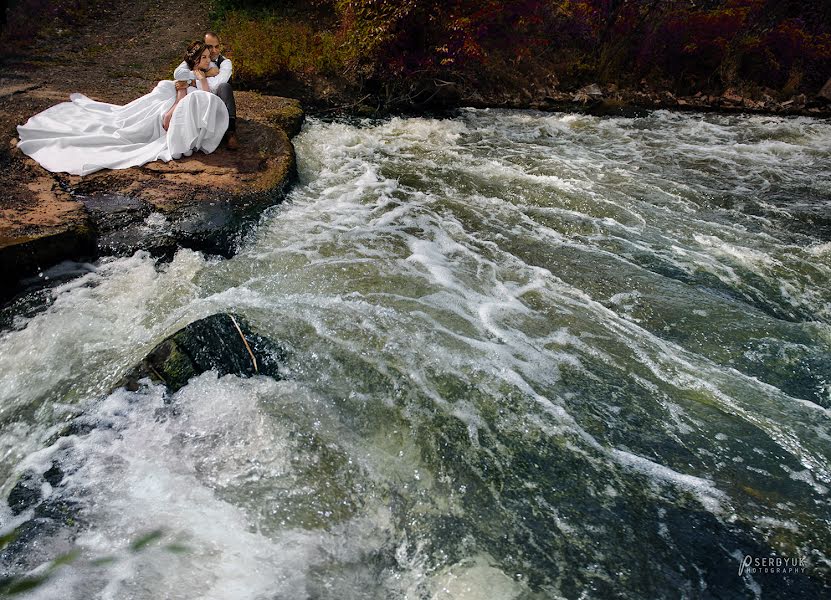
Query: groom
column 219, row 76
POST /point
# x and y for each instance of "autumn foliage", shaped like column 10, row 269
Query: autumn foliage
column 407, row 46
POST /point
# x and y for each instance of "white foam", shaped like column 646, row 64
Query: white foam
column 176, row 476
column 805, row 476
column 157, row 222
column 820, row 249
column 474, row 251
column 744, row 256
column 117, row 309
column 705, row 490
column 475, row 578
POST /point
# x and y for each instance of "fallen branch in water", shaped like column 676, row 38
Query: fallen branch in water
column 244, row 341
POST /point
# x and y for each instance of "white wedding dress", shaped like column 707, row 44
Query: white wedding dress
column 83, row 136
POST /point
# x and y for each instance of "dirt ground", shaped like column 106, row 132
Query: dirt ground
column 115, row 52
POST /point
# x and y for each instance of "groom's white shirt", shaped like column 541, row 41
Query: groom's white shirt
column 183, row 73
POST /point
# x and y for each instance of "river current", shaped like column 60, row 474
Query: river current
column 528, row 355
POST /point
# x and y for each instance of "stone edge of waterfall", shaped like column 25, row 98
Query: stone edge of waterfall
column 203, row 202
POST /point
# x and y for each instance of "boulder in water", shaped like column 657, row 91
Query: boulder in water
column 223, row 342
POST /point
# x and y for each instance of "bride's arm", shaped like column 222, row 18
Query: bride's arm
column 183, row 73
column 201, row 80
column 180, row 93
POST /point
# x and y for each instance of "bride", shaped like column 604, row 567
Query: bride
column 83, row 136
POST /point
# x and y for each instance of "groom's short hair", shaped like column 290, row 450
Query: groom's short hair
column 213, row 33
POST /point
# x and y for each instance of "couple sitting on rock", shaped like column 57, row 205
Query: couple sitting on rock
column 196, row 111
column 205, row 68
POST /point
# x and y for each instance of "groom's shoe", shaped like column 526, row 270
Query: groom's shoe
column 231, row 141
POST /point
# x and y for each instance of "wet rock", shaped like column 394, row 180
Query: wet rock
column 55, row 520
column 223, row 342
column 201, row 202
column 124, row 224
column 40, row 225
column 53, row 517
column 31, row 254
column 28, row 491
column 25, row 494
column 111, row 212
column 213, row 227
column 54, row 476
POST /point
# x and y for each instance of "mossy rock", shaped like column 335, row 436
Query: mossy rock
column 284, row 113
column 289, row 118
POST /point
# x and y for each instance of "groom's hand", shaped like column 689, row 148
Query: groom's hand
column 212, row 72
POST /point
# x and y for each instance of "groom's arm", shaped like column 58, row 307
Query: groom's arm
column 182, row 73
column 213, row 70
column 224, row 75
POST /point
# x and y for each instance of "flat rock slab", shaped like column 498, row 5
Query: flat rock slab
column 264, row 162
column 200, row 202
column 41, row 225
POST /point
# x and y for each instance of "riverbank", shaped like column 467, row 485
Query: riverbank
column 378, row 59
column 200, row 202
column 321, row 94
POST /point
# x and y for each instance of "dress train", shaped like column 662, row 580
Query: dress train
column 83, row 136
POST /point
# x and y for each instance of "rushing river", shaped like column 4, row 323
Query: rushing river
column 528, row 356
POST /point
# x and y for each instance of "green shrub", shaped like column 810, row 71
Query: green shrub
column 271, row 47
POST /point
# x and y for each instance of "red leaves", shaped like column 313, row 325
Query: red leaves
column 693, row 43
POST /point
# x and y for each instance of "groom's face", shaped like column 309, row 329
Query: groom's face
column 213, row 45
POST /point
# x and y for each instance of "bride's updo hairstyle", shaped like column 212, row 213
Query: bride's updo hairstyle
column 194, row 53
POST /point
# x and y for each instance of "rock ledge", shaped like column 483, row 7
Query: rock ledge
column 200, row 202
